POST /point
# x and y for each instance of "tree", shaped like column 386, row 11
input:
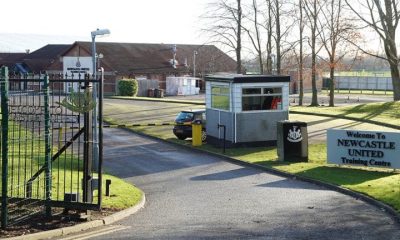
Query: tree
column 268, row 27
column 283, row 25
column 278, row 36
column 301, row 58
column 312, row 9
column 255, row 37
column 383, row 17
column 335, row 29
column 225, row 26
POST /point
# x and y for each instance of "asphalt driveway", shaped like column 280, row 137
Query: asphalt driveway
column 143, row 112
column 197, row 196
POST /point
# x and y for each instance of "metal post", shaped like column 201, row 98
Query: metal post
column 88, row 151
column 47, row 141
column 386, row 87
column 348, row 84
column 194, row 63
column 100, row 167
column 95, row 96
column 4, row 145
column 95, row 133
column 224, row 128
column 108, row 183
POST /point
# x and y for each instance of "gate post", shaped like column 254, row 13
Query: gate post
column 100, row 162
column 47, row 141
column 87, row 149
column 4, row 145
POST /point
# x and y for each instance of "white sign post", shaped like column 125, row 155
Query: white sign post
column 77, row 67
column 364, row 148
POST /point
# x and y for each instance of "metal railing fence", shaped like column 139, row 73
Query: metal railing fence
column 47, row 145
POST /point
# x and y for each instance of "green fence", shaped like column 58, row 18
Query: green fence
column 51, row 152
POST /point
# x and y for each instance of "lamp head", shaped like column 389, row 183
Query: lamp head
column 100, row 32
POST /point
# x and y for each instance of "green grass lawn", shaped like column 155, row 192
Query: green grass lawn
column 386, row 112
column 381, row 184
column 149, row 99
column 127, row 112
column 122, row 194
column 359, row 92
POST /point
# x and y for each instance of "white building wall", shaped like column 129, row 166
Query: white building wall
column 237, row 98
column 208, row 95
column 181, row 86
column 285, row 97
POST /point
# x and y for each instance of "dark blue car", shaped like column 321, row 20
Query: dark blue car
column 183, row 123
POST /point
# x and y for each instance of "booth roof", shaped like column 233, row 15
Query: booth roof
column 239, row 78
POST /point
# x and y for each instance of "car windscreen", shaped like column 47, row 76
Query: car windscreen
column 184, row 117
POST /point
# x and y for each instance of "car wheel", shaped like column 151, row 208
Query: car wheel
column 203, row 135
column 181, row 137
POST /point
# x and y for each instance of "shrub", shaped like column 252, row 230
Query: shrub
column 128, row 87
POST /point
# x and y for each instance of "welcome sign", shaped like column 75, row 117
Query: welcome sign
column 76, row 68
column 364, row 148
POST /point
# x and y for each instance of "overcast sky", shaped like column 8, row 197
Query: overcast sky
column 27, row 23
column 31, row 24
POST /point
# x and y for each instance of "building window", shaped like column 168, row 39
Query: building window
column 220, row 97
column 261, row 98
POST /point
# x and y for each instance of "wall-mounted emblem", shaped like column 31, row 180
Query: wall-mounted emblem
column 294, row 135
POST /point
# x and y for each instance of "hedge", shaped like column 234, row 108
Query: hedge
column 128, row 87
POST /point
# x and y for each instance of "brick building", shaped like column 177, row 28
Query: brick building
column 131, row 60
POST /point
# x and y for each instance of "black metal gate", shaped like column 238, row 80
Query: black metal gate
column 51, row 144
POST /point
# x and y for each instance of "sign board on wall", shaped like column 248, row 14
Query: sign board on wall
column 364, row 148
column 73, row 66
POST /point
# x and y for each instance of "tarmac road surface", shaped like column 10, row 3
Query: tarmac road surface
column 197, row 196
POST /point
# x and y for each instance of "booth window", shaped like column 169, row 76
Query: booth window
column 261, row 98
column 220, row 97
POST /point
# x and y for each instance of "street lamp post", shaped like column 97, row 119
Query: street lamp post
column 273, row 62
column 194, row 63
column 98, row 32
column 94, row 34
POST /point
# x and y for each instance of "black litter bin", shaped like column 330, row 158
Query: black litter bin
column 150, row 92
column 292, row 141
column 159, row 93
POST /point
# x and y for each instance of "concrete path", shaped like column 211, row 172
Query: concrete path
column 196, row 196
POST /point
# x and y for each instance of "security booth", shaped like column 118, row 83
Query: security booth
column 245, row 108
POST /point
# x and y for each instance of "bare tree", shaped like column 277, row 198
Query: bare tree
column 225, row 26
column 282, row 14
column 269, row 23
column 383, row 17
column 335, row 29
column 301, row 58
column 296, row 45
column 255, row 37
column 278, row 36
column 312, row 9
